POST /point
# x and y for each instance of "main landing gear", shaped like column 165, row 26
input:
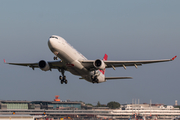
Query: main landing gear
column 63, row 77
column 94, row 79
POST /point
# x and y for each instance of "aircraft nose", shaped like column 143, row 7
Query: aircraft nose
column 50, row 42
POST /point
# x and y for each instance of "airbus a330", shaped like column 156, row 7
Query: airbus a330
column 71, row 60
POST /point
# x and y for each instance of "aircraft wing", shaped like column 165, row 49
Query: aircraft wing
column 53, row 64
column 113, row 64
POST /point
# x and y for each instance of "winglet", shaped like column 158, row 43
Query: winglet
column 105, row 57
column 4, row 60
column 174, row 57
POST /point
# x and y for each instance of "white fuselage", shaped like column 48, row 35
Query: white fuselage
column 71, row 57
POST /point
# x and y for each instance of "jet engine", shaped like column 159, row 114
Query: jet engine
column 43, row 65
column 99, row 64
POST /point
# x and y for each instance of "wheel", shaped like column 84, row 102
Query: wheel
column 55, row 58
column 96, row 81
column 66, row 81
column 93, row 81
column 62, row 81
column 60, row 78
column 92, row 77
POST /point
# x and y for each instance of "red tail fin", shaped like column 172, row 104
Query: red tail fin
column 104, row 59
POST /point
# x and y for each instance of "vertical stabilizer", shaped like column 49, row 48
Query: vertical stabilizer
column 104, row 59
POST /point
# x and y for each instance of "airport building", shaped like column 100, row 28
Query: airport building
column 21, row 117
column 14, row 104
column 47, row 105
column 58, row 109
column 146, row 106
column 37, row 105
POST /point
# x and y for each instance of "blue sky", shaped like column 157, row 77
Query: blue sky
column 125, row 30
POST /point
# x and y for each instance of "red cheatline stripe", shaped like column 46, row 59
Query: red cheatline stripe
column 70, row 65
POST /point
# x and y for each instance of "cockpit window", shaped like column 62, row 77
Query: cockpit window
column 53, row 37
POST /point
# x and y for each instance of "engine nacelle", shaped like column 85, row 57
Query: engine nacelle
column 99, row 64
column 43, row 65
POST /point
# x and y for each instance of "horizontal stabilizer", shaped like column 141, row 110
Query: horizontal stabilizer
column 110, row 78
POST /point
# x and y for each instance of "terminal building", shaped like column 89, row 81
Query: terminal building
column 47, row 105
column 146, row 106
column 14, row 104
column 63, row 109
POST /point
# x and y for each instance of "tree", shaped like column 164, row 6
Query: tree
column 89, row 104
column 177, row 106
column 98, row 104
column 113, row 105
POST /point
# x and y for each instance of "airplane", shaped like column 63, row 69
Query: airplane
column 73, row 61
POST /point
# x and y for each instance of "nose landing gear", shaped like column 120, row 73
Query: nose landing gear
column 55, row 57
